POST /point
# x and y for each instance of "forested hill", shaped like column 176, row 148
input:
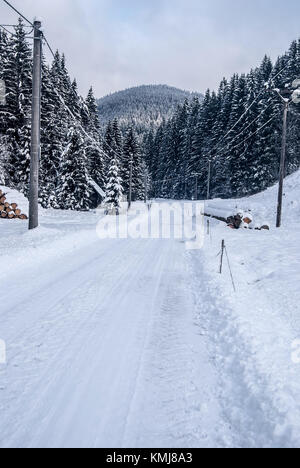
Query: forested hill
column 238, row 128
column 142, row 106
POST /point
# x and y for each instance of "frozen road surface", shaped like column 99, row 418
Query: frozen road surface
column 122, row 343
column 104, row 348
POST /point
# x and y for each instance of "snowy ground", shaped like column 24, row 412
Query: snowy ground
column 140, row 343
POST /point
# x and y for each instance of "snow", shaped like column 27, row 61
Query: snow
column 254, row 331
column 141, row 343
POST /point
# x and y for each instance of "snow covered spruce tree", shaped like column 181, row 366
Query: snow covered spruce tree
column 59, row 94
column 113, row 189
column 132, row 154
column 74, row 190
column 94, row 152
column 16, row 72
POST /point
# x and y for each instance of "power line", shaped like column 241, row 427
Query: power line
column 6, row 30
column 255, row 133
column 279, row 73
column 15, row 26
column 71, row 113
column 243, row 115
column 48, row 45
column 248, row 126
column 248, row 109
column 20, row 14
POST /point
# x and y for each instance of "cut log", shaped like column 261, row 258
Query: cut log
column 18, row 212
column 234, row 221
column 14, row 206
column 247, row 220
column 11, row 215
column 218, row 218
column 2, row 200
column 3, row 214
column 22, row 216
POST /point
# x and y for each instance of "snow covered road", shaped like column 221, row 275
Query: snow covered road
column 103, row 345
column 141, row 343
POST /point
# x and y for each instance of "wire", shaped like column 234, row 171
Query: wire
column 20, row 14
column 280, row 72
column 60, row 97
column 243, row 115
column 248, row 126
column 48, row 45
column 230, row 270
column 255, row 133
column 15, row 25
column 71, row 113
column 248, row 109
column 6, row 30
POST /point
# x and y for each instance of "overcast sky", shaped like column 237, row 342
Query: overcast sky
column 190, row 44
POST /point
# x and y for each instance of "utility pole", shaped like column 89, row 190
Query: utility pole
column 146, row 187
column 130, row 185
column 208, row 179
column 35, row 127
column 282, row 163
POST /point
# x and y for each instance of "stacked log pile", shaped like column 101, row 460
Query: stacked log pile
column 9, row 210
column 239, row 221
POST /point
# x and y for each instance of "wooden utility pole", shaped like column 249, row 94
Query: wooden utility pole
column 208, row 179
column 282, row 163
column 35, row 127
column 146, row 186
column 130, row 184
column 222, row 256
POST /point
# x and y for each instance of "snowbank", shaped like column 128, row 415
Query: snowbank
column 263, row 205
column 253, row 331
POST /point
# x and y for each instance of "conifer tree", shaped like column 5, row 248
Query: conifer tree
column 74, row 191
column 132, row 154
column 113, row 190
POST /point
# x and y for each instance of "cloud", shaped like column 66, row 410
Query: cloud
column 192, row 44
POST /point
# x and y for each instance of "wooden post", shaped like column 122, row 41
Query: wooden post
column 222, row 256
column 208, row 179
column 35, row 128
column 282, row 164
column 130, row 184
column 146, row 187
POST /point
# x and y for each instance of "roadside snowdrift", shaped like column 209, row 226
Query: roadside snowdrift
column 263, row 205
column 253, row 331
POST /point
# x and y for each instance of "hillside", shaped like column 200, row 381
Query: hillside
column 238, row 129
column 143, row 105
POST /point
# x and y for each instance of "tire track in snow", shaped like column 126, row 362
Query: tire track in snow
column 174, row 404
column 36, row 333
